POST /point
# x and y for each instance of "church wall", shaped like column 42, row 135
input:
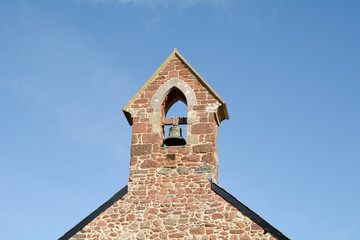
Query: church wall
column 169, row 191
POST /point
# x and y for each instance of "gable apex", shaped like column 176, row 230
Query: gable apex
column 222, row 112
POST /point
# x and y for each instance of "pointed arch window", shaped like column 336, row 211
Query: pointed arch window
column 174, row 115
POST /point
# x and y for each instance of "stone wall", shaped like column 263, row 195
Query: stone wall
column 169, row 192
column 175, row 208
column 147, row 150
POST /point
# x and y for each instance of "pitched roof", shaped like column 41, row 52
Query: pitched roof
column 216, row 188
column 222, row 110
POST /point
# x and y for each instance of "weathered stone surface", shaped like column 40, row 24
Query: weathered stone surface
column 245, row 237
column 182, row 170
column 150, row 138
column 197, row 230
column 170, row 221
column 177, row 235
column 203, row 148
column 139, row 128
column 170, row 156
column 209, row 158
column 165, row 171
column 141, row 149
column 204, row 169
column 203, row 128
column 79, row 236
column 150, row 164
column 140, row 236
column 138, row 171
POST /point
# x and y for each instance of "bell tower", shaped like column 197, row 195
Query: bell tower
column 169, row 195
column 157, row 159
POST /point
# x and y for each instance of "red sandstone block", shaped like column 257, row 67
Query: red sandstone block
column 204, row 120
column 153, row 210
column 173, row 74
column 180, row 67
column 177, row 235
column 209, row 231
column 245, row 237
column 201, row 96
column 199, row 107
column 149, row 94
column 133, row 161
column 240, row 224
column 203, row 148
column 182, row 227
column 152, row 87
column 150, row 164
column 181, row 179
column 169, row 163
column 150, row 138
column 134, row 139
column 220, row 209
column 191, row 158
column 162, row 73
column 130, row 217
column 169, row 67
column 184, row 151
column 203, row 128
column 141, row 101
column 141, row 149
column 171, row 150
column 145, row 201
column 192, row 207
column 209, row 211
column 192, row 165
column 217, row 216
column 163, row 191
column 134, row 226
column 101, row 223
column 254, row 226
column 139, row 192
column 153, row 192
column 139, row 128
column 197, row 230
column 199, row 191
column 136, row 120
column 184, row 73
column 188, row 190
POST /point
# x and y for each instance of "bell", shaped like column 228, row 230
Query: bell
column 175, row 138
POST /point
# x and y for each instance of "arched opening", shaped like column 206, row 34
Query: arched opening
column 174, row 111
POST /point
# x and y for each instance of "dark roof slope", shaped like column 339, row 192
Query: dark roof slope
column 248, row 212
column 95, row 213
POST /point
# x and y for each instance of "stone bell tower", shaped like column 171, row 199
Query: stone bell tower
column 151, row 160
column 172, row 191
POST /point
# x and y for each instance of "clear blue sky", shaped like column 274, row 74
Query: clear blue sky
column 288, row 70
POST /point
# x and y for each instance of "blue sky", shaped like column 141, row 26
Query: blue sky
column 288, row 70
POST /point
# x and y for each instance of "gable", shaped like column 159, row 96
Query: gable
column 222, row 112
column 111, row 216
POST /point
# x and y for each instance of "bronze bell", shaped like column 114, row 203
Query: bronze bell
column 175, row 138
